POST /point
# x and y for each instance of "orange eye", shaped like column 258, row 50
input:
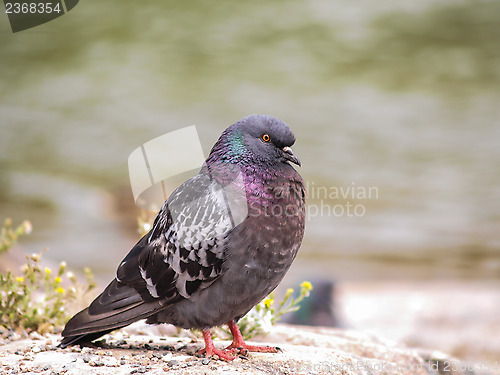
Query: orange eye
column 266, row 137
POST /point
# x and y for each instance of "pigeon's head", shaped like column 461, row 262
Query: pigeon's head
column 260, row 139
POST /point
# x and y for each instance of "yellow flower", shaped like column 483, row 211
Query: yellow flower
column 306, row 285
column 20, row 279
column 48, row 271
column 58, row 279
column 60, row 290
column 288, row 293
column 268, row 302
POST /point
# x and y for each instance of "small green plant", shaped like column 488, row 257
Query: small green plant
column 38, row 299
column 9, row 235
column 260, row 319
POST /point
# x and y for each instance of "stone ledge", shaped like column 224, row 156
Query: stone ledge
column 305, row 350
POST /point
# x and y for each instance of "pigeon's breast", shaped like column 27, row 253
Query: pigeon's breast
column 275, row 223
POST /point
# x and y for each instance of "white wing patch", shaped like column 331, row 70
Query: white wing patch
column 149, row 284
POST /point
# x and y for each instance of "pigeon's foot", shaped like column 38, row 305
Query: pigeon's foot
column 225, row 355
column 210, row 350
column 238, row 346
column 241, row 347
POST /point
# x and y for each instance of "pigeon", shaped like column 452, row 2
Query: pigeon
column 221, row 242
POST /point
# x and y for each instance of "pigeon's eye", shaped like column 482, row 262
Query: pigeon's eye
column 266, row 137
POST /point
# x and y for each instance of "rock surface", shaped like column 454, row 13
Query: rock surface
column 305, row 350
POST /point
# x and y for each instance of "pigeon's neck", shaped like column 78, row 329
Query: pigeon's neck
column 228, row 149
column 223, row 170
column 258, row 182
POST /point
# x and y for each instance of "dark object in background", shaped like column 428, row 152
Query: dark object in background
column 318, row 309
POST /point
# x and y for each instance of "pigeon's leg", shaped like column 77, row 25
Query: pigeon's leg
column 239, row 344
column 211, row 350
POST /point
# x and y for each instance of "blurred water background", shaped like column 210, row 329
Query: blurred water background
column 400, row 97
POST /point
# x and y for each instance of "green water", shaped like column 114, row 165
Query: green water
column 402, row 97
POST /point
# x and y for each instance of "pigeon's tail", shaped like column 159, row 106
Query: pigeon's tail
column 118, row 306
column 81, row 339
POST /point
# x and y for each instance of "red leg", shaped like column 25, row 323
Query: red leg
column 239, row 344
column 211, row 350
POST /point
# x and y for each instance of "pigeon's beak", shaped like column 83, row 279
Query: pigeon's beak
column 290, row 156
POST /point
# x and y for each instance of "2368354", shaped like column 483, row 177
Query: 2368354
column 32, row 8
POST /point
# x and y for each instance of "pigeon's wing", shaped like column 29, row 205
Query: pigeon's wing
column 183, row 253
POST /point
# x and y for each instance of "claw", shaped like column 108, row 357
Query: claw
column 241, row 347
column 225, row 355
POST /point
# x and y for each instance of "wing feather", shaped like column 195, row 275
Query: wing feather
column 185, row 245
